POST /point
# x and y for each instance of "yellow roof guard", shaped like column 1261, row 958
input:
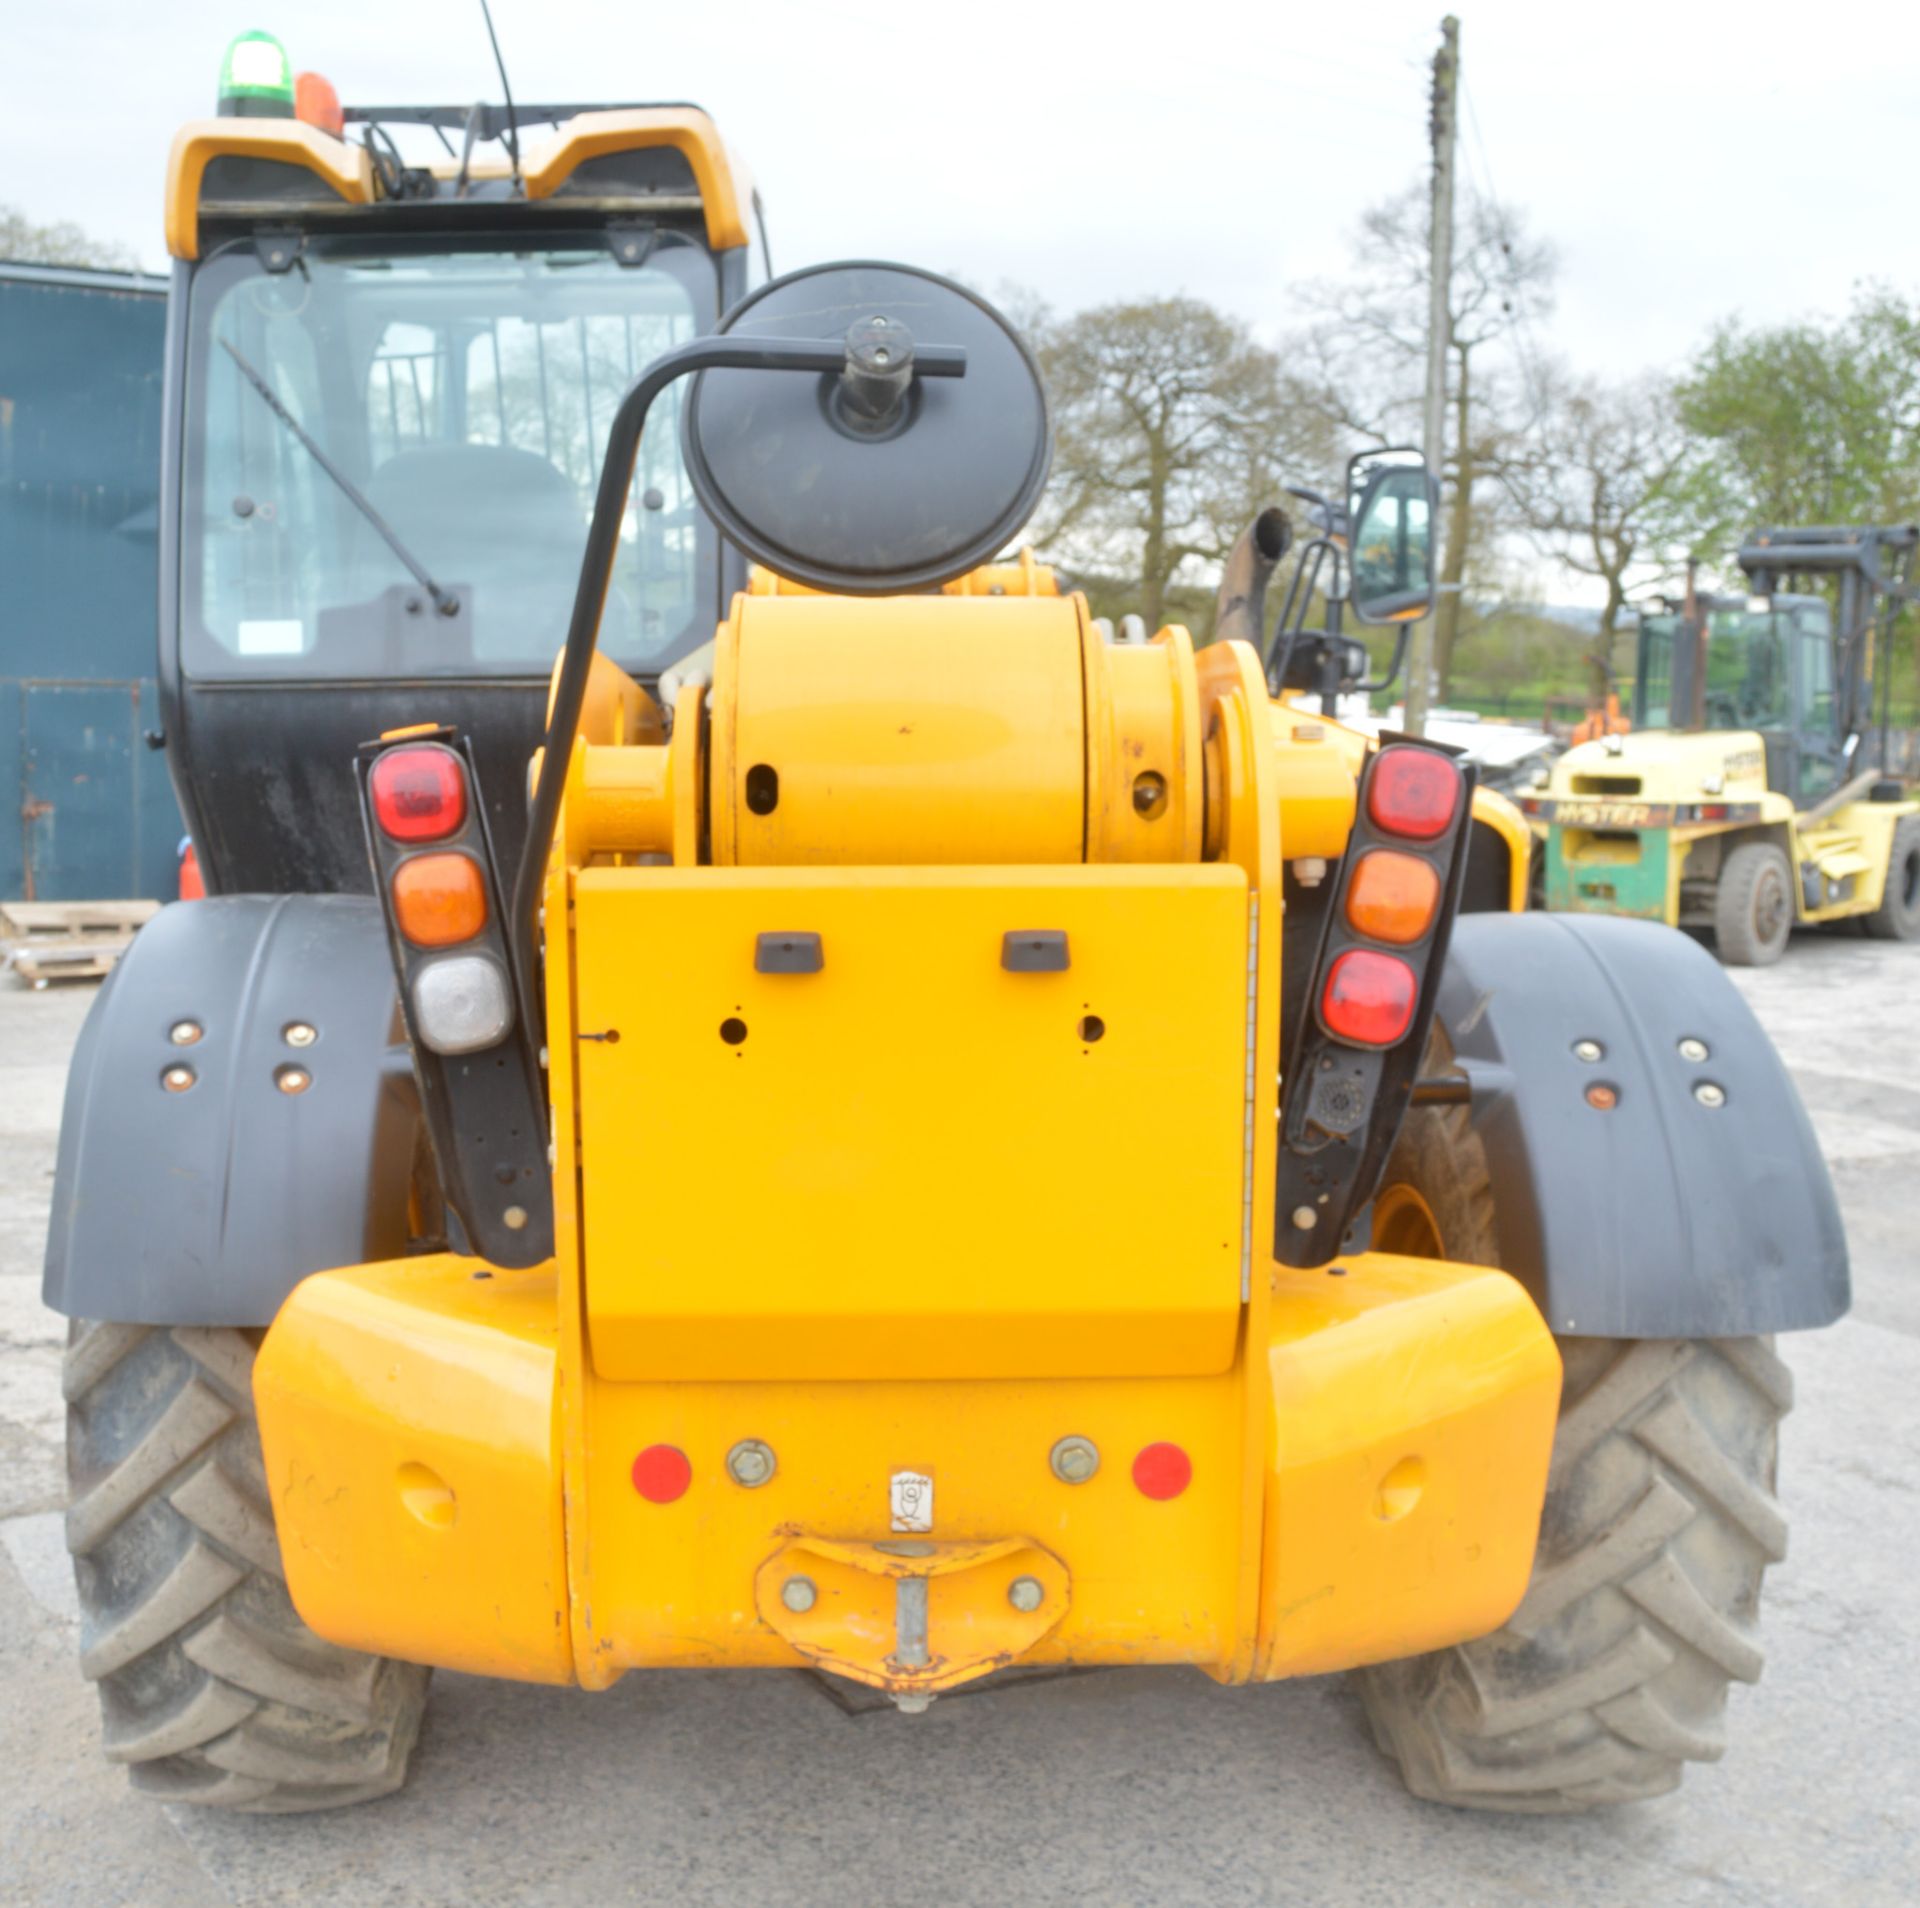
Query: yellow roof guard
column 598, row 159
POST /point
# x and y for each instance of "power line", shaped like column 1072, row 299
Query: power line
column 1526, row 347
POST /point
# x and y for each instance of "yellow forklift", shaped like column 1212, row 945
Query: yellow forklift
column 622, row 1173
column 1753, row 794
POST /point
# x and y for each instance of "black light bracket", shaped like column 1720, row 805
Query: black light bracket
column 1342, row 1105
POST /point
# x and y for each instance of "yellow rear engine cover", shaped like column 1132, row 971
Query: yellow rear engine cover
column 913, row 1162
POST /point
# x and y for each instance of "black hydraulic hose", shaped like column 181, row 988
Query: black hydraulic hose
column 712, row 353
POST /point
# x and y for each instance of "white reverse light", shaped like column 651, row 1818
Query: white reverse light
column 461, row 1003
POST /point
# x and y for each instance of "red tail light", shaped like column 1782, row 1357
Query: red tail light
column 1414, row 792
column 419, row 793
column 1369, row 998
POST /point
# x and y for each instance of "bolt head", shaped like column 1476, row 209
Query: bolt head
column 750, row 1463
column 1305, row 1218
column 1693, row 1050
column 1708, row 1094
column 185, row 1033
column 799, row 1595
column 1026, row 1594
column 292, row 1080
column 1074, row 1460
column 1591, row 1051
column 514, row 1218
column 178, row 1079
column 299, row 1033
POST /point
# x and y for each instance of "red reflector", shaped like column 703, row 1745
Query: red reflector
column 1413, row 792
column 661, row 1473
column 1162, row 1471
column 1713, row 811
column 419, row 793
column 1369, row 998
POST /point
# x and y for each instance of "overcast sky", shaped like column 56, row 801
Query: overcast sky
column 1689, row 161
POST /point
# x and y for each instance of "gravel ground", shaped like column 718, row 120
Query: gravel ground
column 1114, row 1787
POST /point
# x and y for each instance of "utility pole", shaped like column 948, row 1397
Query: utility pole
column 1441, row 121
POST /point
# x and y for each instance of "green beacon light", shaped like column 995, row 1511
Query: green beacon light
column 255, row 79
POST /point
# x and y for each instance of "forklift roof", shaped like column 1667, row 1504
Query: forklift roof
column 1770, row 555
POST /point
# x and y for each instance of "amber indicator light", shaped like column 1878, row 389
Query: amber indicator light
column 1392, row 897
column 439, row 900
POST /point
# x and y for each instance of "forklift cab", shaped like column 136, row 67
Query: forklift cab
column 1739, row 665
column 388, row 390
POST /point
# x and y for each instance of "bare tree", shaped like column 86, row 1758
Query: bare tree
column 1172, row 427
column 62, row 244
column 1603, row 491
column 1363, row 357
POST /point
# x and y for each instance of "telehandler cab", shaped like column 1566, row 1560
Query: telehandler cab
column 1753, row 793
column 954, row 1144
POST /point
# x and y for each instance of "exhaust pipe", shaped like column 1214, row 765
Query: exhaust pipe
column 1239, row 610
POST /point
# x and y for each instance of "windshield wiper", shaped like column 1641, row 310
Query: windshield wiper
column 445, row 603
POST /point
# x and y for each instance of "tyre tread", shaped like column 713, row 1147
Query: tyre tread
column 212, row 1690
column 1612, row 1675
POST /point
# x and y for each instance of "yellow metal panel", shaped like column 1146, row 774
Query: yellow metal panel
column 1414, row 1408
column 1316, row 764
column 919, row 1163
column 1857, row 840
column 345, row 171
column 409, row 1417
column 1246, row 817
column 903, row 730
column 1506, row 820
column 685, row 128
column 683, row 1584
column 409, row 1414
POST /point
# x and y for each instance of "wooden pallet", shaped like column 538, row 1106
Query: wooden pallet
column 46, row 941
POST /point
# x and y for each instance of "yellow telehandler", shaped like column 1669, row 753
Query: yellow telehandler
column 944, row 1142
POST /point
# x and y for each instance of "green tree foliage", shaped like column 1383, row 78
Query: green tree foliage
column 1805, row 423
column 61, row 244
column 1173, row 425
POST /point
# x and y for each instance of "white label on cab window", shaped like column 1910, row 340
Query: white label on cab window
column 273, row 637
column 912, row 1494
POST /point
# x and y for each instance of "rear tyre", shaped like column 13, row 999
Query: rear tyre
column 1659, row 1524
column 212, row 1690
column 1897, row 918
column 1753, row 905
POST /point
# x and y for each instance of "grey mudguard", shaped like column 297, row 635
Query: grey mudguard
column 1664, row 1217
column 206, row 1207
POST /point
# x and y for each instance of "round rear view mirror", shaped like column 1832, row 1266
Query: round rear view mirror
column 873, row 480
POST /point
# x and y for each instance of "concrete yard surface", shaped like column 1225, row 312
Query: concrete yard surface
column 1110, row 1786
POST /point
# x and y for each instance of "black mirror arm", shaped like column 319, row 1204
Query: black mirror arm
column 715, row 352
column 1393, row 668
